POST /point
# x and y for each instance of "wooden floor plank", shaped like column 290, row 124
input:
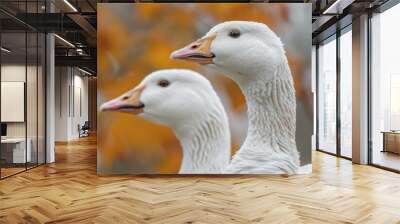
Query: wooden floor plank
column 70, row 191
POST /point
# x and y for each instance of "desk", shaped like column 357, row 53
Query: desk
column 391, row 141
column 16, row 148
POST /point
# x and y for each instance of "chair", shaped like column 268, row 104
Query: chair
column 84, row 130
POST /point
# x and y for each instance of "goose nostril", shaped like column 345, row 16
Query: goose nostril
column 125, row 97
column 194, row 46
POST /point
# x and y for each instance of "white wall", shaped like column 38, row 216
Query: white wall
column 80, row 110
column 61, row 103
column 33, row 126
column 16, row 73
column 71, row 94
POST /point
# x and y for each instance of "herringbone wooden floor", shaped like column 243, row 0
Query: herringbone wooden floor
column 69, row 191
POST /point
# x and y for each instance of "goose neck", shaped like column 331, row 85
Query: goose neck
column 205, row 144
column 271, row 105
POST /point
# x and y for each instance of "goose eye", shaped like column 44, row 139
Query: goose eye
column 234, row 33
column 163, row 83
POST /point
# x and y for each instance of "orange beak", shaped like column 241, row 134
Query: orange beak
column 198, row 51
column 128, row 102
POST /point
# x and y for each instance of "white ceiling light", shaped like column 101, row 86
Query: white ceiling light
column 79, row 51
column 70, row 5
column 5, row 50
column 84, row 71
column 337, row 7
column 65, row 41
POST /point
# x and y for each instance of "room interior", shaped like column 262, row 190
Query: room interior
column 22, row 102
column 48, row 150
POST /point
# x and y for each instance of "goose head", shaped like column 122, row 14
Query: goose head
column 173, row 97
column 186, row 102
column 242, row 50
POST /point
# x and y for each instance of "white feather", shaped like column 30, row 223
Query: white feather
column 193, row 110
column 256, row 61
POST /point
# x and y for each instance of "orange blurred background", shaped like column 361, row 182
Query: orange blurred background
column 136, row 39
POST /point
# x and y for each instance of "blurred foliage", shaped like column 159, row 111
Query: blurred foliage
column 136, row 39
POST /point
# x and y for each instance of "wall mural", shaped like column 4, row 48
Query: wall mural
column 204, row 88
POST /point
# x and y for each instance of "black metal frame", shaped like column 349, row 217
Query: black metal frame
column 44, row 70
column 339, row 32
column 338, row 98
column 369, row 90
column 389, row 4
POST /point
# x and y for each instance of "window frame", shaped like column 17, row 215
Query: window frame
column 335, row 36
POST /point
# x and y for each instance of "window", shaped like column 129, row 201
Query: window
column 22, row 78
column 327, row 97
column 385, row 89
column 346, row 94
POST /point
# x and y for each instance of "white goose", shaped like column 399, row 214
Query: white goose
column 186, row 102
column 253, row 56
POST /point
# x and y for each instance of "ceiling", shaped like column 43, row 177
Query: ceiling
column 76, row 22
column 332, row 15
